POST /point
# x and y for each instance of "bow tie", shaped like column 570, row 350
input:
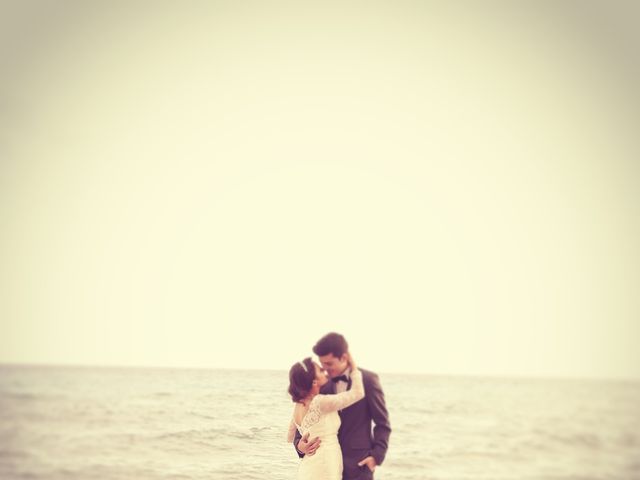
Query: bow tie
column 341, row 378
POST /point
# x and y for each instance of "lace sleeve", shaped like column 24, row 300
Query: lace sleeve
column 292, row 431
column 312, row 416
column 342, row 400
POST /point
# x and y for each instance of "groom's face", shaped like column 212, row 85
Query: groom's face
column 334, row 366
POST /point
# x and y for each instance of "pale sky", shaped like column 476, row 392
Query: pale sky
column 218, row 184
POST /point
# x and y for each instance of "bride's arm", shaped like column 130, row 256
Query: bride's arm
column 328, row 403
column 292, row 431
column 342, row 400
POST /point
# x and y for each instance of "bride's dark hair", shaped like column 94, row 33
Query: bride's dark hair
column 301, row 377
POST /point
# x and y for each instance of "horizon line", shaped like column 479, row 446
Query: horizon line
column 505, row 376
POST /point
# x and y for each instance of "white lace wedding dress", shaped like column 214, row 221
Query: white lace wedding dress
column 322, row 420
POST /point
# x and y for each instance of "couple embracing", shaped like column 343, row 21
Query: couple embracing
column 340, row 425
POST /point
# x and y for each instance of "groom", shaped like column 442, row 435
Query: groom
column 364, row 431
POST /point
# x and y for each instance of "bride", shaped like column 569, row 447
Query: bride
column 317, row 414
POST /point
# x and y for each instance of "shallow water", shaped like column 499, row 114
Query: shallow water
column 117, row 423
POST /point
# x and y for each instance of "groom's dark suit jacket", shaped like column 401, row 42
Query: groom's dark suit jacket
column 364, row 429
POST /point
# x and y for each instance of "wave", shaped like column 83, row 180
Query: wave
column 210, row 434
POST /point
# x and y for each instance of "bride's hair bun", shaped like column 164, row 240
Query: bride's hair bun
column 301, row 377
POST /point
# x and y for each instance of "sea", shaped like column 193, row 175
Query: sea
column 95, row 423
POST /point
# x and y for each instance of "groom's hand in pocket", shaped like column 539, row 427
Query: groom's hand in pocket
column 308, row 447
column 370, row 462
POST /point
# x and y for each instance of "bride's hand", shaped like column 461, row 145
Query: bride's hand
column 351, row 362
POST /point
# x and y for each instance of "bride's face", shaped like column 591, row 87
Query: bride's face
column 321, row 376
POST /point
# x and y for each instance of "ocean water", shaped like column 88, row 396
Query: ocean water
column 136, row 423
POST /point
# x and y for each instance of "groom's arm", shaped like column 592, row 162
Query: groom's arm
column 306, row 446
column 380, row 417
column 295, row 443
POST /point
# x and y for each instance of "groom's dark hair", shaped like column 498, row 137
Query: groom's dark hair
column 333, row 343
